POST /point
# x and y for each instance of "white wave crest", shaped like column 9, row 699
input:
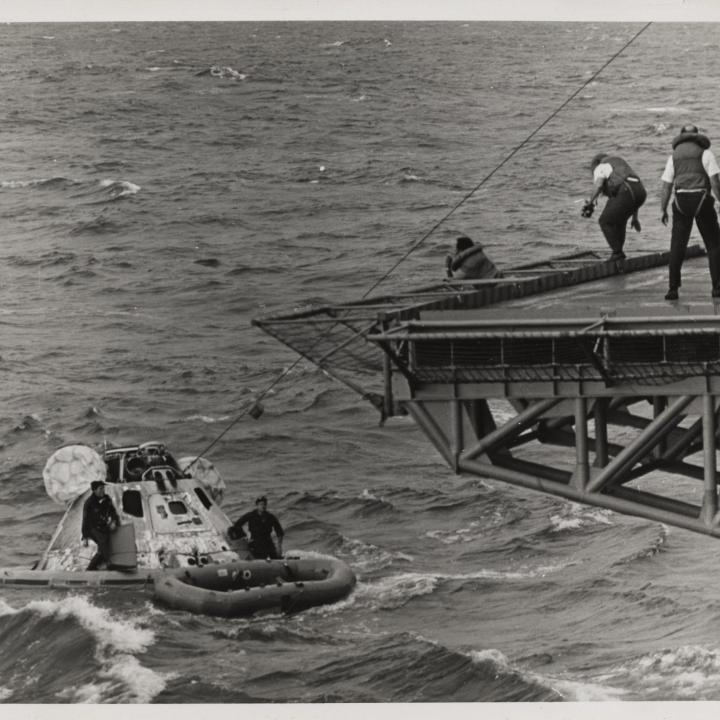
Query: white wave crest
column 688, row 671
column 574, row 516
column 368, row 557
column 13, row 184
column 226, row 72
column 208, row 419
column 666, row 109
column 461, row 535
column 6, row 609
column 124, row 680
column 121, row 635
column 120, row 188
column 491, row 655
column 571, row 690
column 394, row 591
column 389, row 593
column 574, row 691
column 121, row 675
column 521, row 574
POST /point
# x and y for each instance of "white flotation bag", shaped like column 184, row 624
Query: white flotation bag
column 206, row 474
column 70, row 470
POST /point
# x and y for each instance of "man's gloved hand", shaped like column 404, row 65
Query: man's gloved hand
column 664, row 218
column 587, row 209
column 635, row 224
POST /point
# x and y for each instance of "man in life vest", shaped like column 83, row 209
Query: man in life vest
column 470, row 262
column 692, row 171
column 99, row 519
column 261, row 524
column 614, row 178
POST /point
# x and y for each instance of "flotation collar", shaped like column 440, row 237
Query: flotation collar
column 464, row 255
column 702, row 140
column 621, row 176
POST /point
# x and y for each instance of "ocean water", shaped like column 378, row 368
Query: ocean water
column 151, row 208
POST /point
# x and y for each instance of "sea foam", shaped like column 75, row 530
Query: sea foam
column 121, row 677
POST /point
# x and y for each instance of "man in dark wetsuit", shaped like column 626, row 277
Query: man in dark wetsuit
column 260, row 524
column 692, row 171
column 99, row 519
column 613, row 177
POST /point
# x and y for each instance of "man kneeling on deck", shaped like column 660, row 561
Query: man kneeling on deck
column 470, row 262
column 260, row 524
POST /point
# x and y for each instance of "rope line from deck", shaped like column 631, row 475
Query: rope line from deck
column 417, row 245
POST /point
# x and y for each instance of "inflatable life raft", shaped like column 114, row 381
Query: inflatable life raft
column 242, row 588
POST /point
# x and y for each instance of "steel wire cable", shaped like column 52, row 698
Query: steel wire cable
column 419, row 243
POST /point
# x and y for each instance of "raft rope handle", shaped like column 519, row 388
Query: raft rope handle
column 414, row 247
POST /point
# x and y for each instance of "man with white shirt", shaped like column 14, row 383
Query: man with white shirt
column 692, row 171
column 613, row 177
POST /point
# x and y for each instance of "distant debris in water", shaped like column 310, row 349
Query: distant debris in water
column 222, row 71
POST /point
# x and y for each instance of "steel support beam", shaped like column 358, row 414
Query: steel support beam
column 582, row 465
column 710, row 501
column 682, row 443
column 625, row 501
column 600, row 413
column 420, row 415
column 649, row 437
column 659, row 404
column 511, row 428
column 456, row 431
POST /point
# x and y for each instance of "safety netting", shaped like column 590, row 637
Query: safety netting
column 651, row 356
column 349, row 339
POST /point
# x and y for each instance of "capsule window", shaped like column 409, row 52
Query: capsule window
column 204, row 499
column 177, row 507
column 132, row 503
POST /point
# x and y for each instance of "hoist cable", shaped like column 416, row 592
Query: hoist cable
column 420, row 242
column 509, row 157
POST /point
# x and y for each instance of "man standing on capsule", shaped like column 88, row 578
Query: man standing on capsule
column 693, row 172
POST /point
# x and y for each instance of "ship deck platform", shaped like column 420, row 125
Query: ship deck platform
column 587, row 354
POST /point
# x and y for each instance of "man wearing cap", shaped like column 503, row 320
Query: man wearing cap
column 613, row 177
column 470, row 262
column 693, row 172
column 260, row 524
column 99, row 519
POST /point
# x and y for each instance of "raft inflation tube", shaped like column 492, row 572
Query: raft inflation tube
column 243, row 588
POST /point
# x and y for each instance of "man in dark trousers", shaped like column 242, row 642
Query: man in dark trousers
column 260, row 524
column 99, row 519
column 692, row 171
column 613, row 177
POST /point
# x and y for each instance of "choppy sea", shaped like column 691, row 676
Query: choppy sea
column 161, row 185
